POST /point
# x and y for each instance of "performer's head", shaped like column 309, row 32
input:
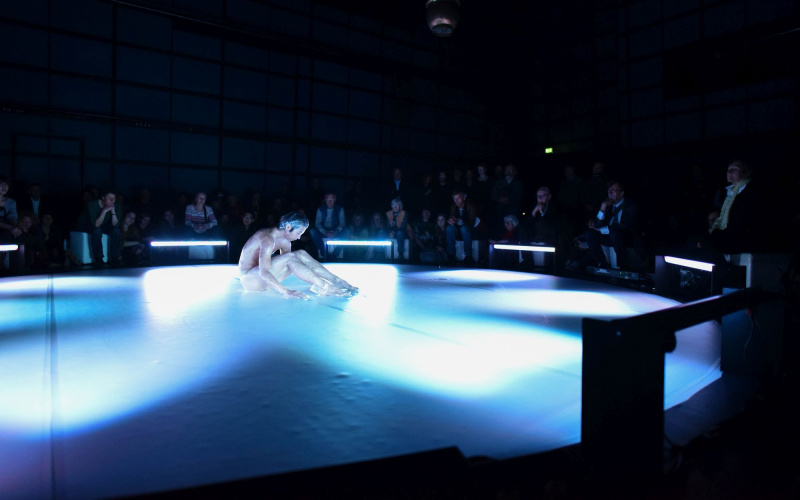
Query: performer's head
column 294, row 223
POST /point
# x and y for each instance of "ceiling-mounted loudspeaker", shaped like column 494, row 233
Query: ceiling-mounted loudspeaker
column 442, row 16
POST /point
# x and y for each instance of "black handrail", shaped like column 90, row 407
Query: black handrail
column 622, row 401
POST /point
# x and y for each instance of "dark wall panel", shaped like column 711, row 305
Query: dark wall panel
column 135, row 177
column 32, row 11
column 249, row 12
column 361, row 164
column 280, row 122
column 777, row 114
column 246, row 55
column 80, row 55
column 91, row 17
column 243, row 153
column 331, row 98
column 23, row 87
column 289, row 23
column 244, row 117
column 29, row 45
column 327, row 160
column 80, row 94
column 142, row 144
column 138, row 102
column 198, row 76
column 247, row 85
column 144, row 28
column 96, row 137
column 31, row 169
column 141, row 66
column 421, row 141
column 193, row 180
column 683, row 128
column 365, row 104
column 328, row 128
column 242, row 184
column 279, row 156
column 363, row 133
column 195, row 149
column 332, row 72
column 726, row 121
column 196, row 45
column 194, row 110
column 281, row 91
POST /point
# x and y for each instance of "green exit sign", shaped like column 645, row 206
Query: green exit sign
column 548, row 150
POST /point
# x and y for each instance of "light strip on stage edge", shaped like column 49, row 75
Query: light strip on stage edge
column 360, row 243
column 525, row 248
column 694, row 264
column 8, row 248
column 187, row 243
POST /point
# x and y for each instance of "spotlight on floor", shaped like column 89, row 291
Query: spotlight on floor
column 442, row 16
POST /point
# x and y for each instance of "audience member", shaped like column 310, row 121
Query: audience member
column 425, row 195
column 546, row 224
column 569, row 197
column 377, row 231
column 481, row 191
column 424, row 239
column 254, row 206
column 28, row 238
column 615, row 226
column 398, row 188
column 133, row 249
column 357, row 198
column 397, row 221
column 102, row 216
column 442, row 193
column 145, row 226
column 200, row 219
column 168, row 229
column 234, row 209
column 239, row 234
column 358, row 231
column 8, row 214
column 329, row 223
column 510, row 235
column 735, row 229
column 50, row 240
column 507, row 194
column 315, row 194
column 34, row 202
column 144, row 202
column 593, row 191
column 463, row 224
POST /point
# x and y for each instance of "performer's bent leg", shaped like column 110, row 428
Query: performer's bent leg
column 319, row 270
column 319, row 285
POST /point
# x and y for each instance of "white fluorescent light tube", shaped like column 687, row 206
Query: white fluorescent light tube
column 8, row 248
column 525, row 248
column 214, row 243
column 694, row 264
column 360, row 243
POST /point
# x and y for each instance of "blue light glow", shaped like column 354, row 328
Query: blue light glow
column 359, row 243
column 191, row 243
column 694, row 264
column 525, row 248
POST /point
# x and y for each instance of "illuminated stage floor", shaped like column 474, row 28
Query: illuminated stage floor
column 121, row 382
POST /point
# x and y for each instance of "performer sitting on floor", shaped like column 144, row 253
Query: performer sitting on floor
column 261, row 270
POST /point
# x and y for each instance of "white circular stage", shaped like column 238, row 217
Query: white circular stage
column 121, row 382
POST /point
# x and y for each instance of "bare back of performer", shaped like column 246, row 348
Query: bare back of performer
column 261, row 269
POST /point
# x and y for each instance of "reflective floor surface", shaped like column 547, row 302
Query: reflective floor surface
column 121, row 382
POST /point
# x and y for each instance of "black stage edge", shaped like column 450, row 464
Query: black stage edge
column 737, row 438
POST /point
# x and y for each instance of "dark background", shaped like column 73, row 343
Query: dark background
column 248, row 95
